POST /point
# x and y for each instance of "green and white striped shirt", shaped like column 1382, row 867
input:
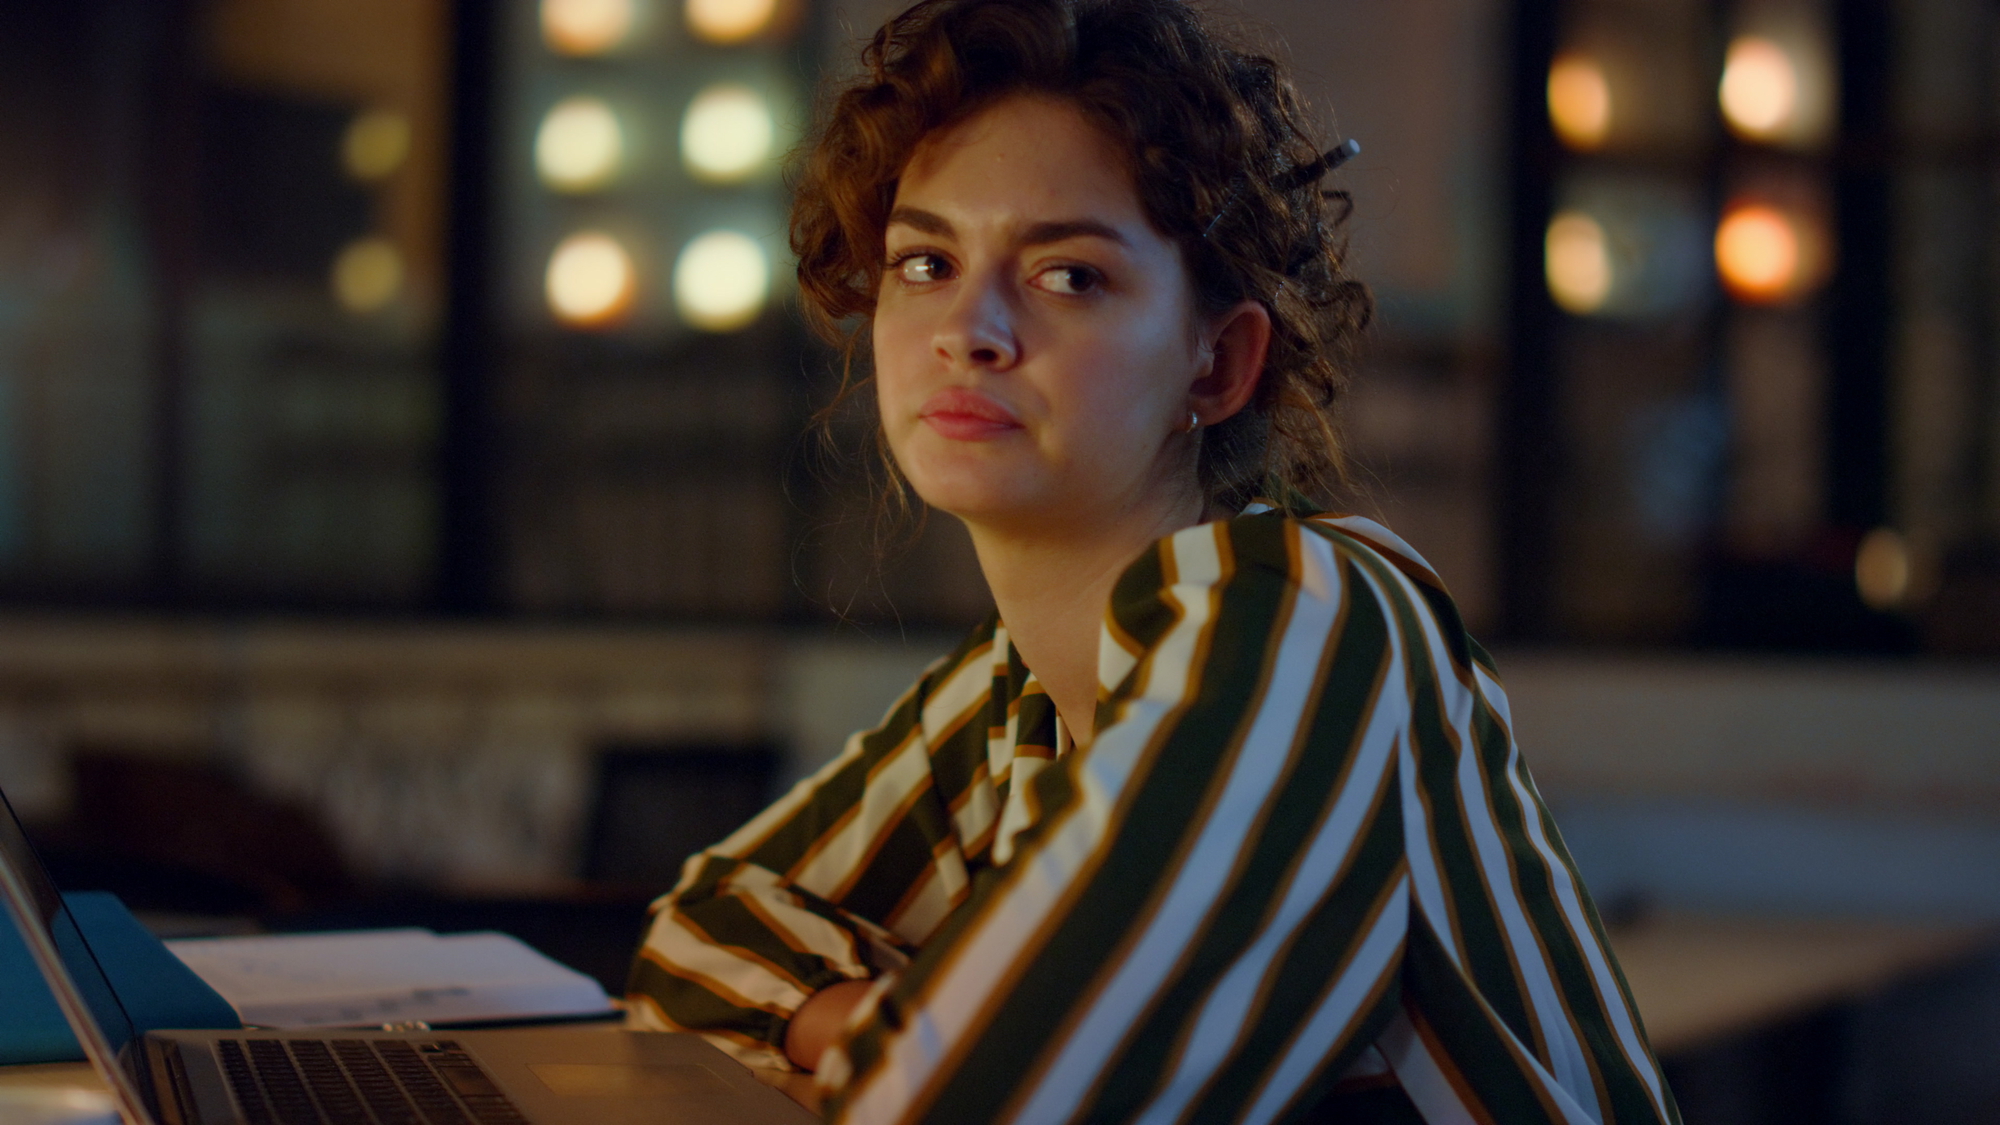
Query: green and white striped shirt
column 1301, row 873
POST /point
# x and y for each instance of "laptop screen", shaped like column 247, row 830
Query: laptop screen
column 47, row 907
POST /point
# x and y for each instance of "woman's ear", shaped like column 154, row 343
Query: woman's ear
column 1242, row 339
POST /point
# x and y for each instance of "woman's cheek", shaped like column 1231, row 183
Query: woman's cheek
column 895, row 379
column 1131, row 381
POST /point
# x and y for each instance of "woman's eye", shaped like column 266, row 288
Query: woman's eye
column 1069, row 281
column 919, row 269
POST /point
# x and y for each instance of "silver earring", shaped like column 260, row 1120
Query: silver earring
column 1194, row 422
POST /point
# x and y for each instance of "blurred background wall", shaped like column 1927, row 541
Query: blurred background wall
column 405, row 513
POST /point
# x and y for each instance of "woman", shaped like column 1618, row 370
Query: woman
column 1252, row 843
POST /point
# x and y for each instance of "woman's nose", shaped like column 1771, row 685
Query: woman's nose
column 978, row 329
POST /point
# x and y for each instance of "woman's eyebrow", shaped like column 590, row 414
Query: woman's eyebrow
column 1041, row 234
column 921, row 220
column 1037, row 234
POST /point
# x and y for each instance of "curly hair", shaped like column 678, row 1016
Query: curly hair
column 1220, row 153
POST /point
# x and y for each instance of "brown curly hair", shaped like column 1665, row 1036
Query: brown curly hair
column 1220, row 152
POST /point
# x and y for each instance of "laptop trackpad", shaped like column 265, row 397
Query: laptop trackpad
column 629, row 1080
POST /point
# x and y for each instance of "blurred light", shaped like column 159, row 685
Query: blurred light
column 1757, row 253
column 1577, row 263
column 585, row 27
column 729, row 21
column 375, row 145
column 721, row 281
column 1628, row 247
column 726, row 134
column 1580, row 101
column 590, row 280
column 579, row 146
column 367, row 274
column 1760, row 88
column 1882, row 569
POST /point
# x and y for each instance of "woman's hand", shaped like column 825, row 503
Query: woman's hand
column 818, row 1021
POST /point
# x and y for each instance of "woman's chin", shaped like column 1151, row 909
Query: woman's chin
column 982, row 505
column 981, row 498
column 975, row 481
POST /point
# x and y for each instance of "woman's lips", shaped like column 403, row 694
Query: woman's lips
column 965, row 415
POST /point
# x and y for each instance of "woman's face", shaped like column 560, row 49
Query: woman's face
column 1035, row 337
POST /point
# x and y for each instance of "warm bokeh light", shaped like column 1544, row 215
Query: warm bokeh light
column 591, row 280
column 1882, row 569
column 727, row 133
column 1577, row 262
column 721, row 281
column 1757, row 253
column 1580, row 100
column 375, row 145
column 1760, row 88
column 367, row 274
column 580, row 145
column 586, row 27
column 729, row 21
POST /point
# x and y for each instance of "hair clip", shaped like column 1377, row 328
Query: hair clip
column 1295, row 179
column 1329, row 160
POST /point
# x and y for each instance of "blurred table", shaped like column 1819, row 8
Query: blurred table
column 1698, row 980
column 51, row 1076
column 792, row 1084
column 54, row 1094
column 80, row 1076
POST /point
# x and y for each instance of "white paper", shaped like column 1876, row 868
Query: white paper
column 368, row 977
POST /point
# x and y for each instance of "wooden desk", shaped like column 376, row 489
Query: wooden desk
column 66, row 1076
column 68, row 1092
column 1697, row 980
column 1700, row 980
column 81, row 1076
column 796, row 1086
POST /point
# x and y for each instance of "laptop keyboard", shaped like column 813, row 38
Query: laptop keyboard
column 361, row 1082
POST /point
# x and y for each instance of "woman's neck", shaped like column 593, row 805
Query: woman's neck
column 1052, row 591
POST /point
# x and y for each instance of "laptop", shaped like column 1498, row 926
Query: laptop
column 526, row 1076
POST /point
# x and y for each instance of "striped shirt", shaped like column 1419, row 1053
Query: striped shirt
column 1300, row 873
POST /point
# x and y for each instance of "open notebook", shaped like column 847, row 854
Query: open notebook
column 373, row 977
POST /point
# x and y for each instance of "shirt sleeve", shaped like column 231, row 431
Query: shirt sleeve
column 1213, row 920
column 837, row 880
